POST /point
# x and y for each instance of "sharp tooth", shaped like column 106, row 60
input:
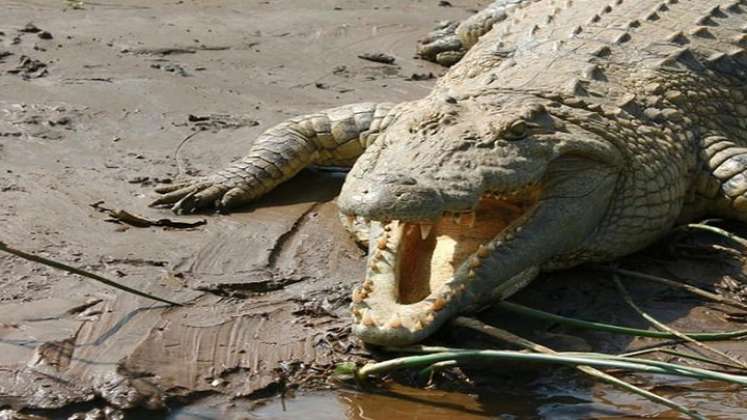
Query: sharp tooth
column 417, row 325
column 394, row 322
column 474, row 262
column 357, row 298
column 368, row 319
column 438, row 304
column 425, row 231
column 373, row 266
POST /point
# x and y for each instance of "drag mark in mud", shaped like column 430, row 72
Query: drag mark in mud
column 279, row 244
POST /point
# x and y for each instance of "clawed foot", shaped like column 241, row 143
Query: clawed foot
column 213, row 192
column 442, row 45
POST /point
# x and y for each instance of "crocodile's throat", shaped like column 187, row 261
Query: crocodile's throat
column 421, row 271
column 429, row 254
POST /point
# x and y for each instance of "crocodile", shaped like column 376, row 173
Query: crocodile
column 571, row 131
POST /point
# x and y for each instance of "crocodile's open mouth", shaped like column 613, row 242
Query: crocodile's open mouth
column 420, row 270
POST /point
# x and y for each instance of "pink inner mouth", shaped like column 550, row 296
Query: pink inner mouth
column 430, row 252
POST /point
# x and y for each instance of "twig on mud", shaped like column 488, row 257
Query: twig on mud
column 500, row 334
column 431, row 370
column 421, row 349
column 684, row 286
column 81, row 272
column 663, row 327
column 713, row 229
column 720, row 251
column 598, row 326
column 136, row 220
column 508, row 337
column 671, row 368
column 178, row 162
column 676, row 353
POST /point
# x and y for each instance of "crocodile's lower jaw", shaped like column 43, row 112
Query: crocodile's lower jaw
column 420, row 274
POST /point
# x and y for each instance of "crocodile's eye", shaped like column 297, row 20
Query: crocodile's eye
column 517, row 130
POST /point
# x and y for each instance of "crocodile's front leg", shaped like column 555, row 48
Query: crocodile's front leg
column 333, row 137
column 721, row 184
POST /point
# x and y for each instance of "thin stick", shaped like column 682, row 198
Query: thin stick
column 500, row 334
column 81, row 272
column 684, row 286
column 731, row 252
column 678, row 354
column 718, row 231
column 672, row 368
column 178, row 150
column 421, row 349
column 598, row 326
column 508, row 337
column 663, row 327
column 431, row 370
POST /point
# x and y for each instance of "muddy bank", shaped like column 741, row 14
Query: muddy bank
column 103, row 101
column 100, row 103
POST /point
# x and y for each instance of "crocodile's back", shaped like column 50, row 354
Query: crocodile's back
column 600, row 50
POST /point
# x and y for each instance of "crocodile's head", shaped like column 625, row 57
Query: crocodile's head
column 467, row 200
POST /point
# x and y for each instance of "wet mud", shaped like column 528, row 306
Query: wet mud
column 100, row 102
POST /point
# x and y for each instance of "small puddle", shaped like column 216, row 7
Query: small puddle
column 555, row 395
column 395, row 403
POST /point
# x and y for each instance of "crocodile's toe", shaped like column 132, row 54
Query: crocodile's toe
column 442, row 45
column 192, row 196
column 449, row 58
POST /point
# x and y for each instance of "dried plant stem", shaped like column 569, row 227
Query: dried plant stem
column 678, row 354
column 663, row 327
column 508, row 337
column 684, row 286
column 81, row 272
column 716, row 230
column 616, row 329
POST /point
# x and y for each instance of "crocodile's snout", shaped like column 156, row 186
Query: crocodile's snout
column 390, row 196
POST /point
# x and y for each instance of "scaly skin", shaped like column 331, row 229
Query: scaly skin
column 589, row 128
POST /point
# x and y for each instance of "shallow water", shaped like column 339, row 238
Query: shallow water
column 561, row 394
